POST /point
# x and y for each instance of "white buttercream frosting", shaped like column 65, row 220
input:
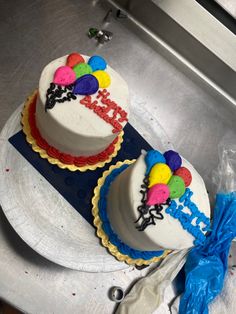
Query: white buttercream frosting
column 124, row 198
column 70, row 126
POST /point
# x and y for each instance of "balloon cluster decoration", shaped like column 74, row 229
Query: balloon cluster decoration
column 77, row 78
column 165, row 179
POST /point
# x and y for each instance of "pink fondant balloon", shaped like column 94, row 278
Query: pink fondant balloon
column 64, row 75
column 157, row 194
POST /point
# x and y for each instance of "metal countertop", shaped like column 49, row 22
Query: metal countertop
column 193, row 115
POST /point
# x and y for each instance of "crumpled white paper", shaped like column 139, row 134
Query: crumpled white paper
column 148, row 293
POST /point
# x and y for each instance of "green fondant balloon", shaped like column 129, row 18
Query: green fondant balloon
column 176, row 186
column 82, row 69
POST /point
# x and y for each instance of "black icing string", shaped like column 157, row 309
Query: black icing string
column 55, row 93
column 154, row 212
column 143, row 209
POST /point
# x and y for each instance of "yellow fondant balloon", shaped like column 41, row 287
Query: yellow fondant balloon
column 160, row 173
column 103, row 78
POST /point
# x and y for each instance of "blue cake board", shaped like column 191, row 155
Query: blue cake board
column 77, row 187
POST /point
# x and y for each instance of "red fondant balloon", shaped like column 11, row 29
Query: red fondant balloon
column 73, row 59
column 185, row 174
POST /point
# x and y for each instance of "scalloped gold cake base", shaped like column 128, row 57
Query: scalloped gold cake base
column 43, row 154
column 103, row 236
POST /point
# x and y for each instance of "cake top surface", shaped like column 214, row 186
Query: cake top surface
column 170, row 201
column 78, row 114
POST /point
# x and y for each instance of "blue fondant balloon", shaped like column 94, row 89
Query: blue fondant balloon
column 153, row 157
column 97, row 63
column 173, row 159
column 86, row 85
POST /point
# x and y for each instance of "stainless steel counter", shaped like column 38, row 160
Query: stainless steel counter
column 194, row 116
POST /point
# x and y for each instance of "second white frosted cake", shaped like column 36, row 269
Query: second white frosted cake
column 159, row 202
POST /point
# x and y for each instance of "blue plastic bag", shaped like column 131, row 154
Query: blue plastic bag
column 206, row 265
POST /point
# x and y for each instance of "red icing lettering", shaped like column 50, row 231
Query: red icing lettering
column 93, row 104
column 107, row 118
column 123, row 116
column 117, row 126
column 103, row 94
column 111, row 112
column 86, row 101
column 98, row 110
column 115, row 111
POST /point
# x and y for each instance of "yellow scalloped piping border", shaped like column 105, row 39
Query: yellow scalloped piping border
column 102, row 235
column 54, row 161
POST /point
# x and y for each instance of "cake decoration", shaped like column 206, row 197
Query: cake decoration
column 64, row 76
column 176, row 186
column 160, row 173
column 173, row 159
column 186, row 219
column 151, row 207
column 73, row 59
column 83, row 79
column 57, row 94
column 152, row 157
column 111, row 112
column 185, row 174
column 158, row 194
column 82, row 69
column 165, row 188
column 103, row 78
column 97, row 63
column 86, row 85
column 149, row 218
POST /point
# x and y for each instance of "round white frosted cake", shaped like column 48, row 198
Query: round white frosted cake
column 82, row 104
column 159, row 202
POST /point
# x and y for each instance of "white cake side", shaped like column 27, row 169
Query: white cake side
column 70, row 126
column 124, row 198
